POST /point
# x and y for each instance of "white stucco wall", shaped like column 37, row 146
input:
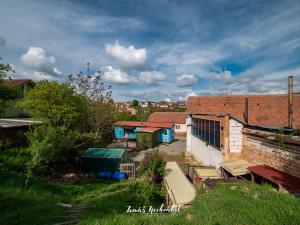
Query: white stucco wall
column 182, row 129
column 188, row 138
column 235, row 136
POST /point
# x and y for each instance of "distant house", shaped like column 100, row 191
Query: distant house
column 162, row 105
column 221, row 128
column 177, row 118
column 23, row 86
column 131, row 111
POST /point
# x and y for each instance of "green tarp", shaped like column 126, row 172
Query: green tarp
column 103, row 153
column 102, row 159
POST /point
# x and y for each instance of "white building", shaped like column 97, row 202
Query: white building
column 177, row 118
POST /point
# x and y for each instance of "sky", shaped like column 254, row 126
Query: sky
column 157, row 49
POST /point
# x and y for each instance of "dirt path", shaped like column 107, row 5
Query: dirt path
column 72, row 215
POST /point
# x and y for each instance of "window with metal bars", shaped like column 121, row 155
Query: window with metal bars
column 208, row 131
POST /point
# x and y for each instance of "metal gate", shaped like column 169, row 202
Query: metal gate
column 129, row 169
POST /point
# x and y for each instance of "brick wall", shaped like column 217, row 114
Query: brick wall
column 264, row 148
column 236, row 136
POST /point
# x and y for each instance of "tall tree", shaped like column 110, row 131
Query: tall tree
column 135, row 103
column 56, row 105
column 99, row 104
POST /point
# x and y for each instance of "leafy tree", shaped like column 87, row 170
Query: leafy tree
column 135, row 103
column 56, row 105
column 99, row 103
column 54, row 143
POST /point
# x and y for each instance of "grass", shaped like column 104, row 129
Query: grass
column 238, row 203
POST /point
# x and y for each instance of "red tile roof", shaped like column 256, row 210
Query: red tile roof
column 168, row 117
column 143, row 124
column 264, row 110
column 15, row 83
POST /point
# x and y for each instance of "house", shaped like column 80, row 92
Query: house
column 177, row 118
column 255, row 128
column 122, row 106
column 163, row 105
column 131, row 111
column 129, row 130
column 23, row 86
column 144, row 104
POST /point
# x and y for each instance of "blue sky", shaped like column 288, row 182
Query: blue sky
column 156, row 50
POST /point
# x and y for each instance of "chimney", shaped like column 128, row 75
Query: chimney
column 290, row 102
column 246, row 115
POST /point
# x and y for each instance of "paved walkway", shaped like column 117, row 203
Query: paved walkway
column 171, row 152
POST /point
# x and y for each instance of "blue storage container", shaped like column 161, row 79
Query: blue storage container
column 105, row 175
column 117, row 176
column 119, row 132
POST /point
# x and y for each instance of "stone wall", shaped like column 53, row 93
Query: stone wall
column 278, row 151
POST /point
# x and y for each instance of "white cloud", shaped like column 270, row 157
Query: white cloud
column 185, row 98
column 217, row 76
column 36, row 60
column 152, row 77
column 117, row 76
column 32, row 75
column 186, row 80
column 127, row 58
column 186, row 54
column 167, row 100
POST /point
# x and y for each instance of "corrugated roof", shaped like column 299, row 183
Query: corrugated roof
column 148, row 129
column 179, row 188
column 17, row 122
column 265, row 110
column 168, row 117
column 143, row 124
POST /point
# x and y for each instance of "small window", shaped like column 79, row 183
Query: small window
column 165, row 132
column 177, row 127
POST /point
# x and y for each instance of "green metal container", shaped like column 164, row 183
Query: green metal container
column 146, row 139
column 102, row 159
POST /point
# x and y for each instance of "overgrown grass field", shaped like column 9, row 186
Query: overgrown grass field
column 234, row 203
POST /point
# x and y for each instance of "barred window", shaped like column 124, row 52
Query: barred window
column 207, row 130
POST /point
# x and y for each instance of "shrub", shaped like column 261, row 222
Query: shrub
column 144, row 193
column 153, row 166
column 14, row 159
column 54, row 150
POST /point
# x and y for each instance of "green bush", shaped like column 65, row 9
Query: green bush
column 14, row 159
column 55, row 150
column 153, row 166
column 144, row 193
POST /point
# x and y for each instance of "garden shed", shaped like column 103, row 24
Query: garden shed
column 147, row 137
column 103, row 159
column 129, row 130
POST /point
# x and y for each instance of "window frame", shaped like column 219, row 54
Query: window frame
column 205, row 130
